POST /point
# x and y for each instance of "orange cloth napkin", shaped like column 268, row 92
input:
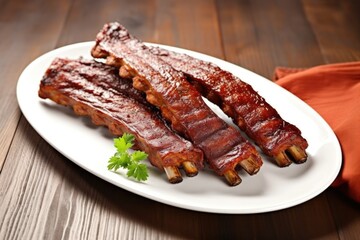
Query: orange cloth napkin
column 334, row 92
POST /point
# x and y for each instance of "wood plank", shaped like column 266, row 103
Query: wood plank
column 346, row 214
column 45, row 196
column 336, row 25
column 189, row 24
column 24, row 36
column 261, row 35
column 81, row 25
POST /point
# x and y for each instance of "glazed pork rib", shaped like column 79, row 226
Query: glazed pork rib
column 179, row 102
column 261, row 122
column 96, row 90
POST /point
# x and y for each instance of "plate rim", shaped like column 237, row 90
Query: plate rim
column 149, row 196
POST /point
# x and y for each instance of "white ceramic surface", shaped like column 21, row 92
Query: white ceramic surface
column 273, row 188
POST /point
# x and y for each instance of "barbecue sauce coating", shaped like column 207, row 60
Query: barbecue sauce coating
column 246, row 107
column 179, row 102
column 96, row 90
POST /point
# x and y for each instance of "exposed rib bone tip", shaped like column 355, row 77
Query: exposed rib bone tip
column 190, row 168
column 251, row 165
column 232, row 177
column 282, row 159
column 173, row 174
column 297, row 154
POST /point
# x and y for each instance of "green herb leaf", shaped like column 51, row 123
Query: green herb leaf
column 138, row 171
column 129, row 138
column 138, row 156
column 122, row 144
column 122, row 158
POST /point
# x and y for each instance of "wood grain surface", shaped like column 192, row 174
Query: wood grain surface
column 43, row 195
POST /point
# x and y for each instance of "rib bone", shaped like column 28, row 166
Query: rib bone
column 179, row 102
column 94, row 89
column 243, row 104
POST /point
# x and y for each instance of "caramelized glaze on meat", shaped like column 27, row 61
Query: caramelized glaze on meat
column 179, row 102
column 96, row 90
column 249, row 110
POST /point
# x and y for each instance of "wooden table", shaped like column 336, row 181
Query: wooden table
column 43, row 195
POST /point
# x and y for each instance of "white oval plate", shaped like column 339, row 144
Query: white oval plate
column 273, row 188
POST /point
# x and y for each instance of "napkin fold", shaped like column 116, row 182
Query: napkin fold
column 333, row 90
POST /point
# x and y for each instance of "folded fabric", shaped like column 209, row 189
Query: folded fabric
column 334, row 92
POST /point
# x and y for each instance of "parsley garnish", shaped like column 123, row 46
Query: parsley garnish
column 123, row 159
